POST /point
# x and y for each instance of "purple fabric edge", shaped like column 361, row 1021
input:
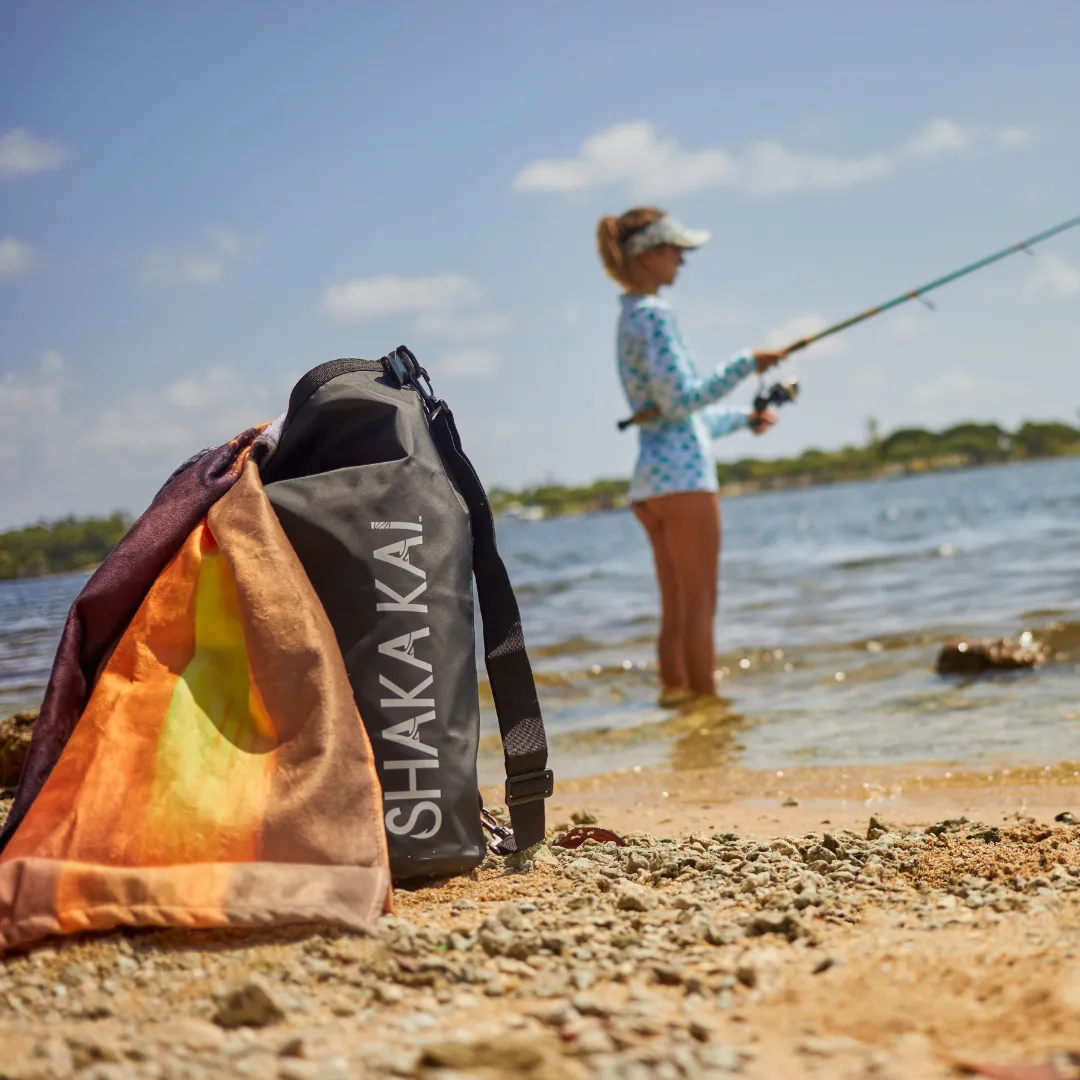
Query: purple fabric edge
column 102, row 611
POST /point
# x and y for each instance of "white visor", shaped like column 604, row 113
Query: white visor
column 665, row 230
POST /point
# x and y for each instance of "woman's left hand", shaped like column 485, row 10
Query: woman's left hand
column 760, row 422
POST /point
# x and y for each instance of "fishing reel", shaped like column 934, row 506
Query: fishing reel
column 778, row 394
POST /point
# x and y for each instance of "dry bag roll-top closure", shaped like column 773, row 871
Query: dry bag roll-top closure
column 391, row 523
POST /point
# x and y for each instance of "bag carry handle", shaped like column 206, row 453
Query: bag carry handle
column 528, row 779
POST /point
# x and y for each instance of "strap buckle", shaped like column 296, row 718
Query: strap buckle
column 498, row 831
column 397, row 369
column 402, row 366
column 529, row 787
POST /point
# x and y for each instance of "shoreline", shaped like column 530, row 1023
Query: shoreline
column 511, row 505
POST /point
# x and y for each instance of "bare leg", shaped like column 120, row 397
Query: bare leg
column 673, row 673
column 688, row 528
column 695, row 549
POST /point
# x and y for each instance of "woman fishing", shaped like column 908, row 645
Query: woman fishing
column 674, row 491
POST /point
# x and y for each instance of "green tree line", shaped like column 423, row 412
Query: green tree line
column 60, row 546
column 908, row 450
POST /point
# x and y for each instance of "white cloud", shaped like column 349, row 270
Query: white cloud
column 204, row 267
column 632, row 154
column 1055, row 279
column 179, row 418
column 59, row 456
column 442, row 307
column 939, row 136
column 204, row 410
column 368, row 299
column 802, row 326
column 22, row 154
column 469, row 363
column 28, row 404
column 15, row 256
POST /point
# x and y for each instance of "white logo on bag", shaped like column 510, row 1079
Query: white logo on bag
column 409, row 732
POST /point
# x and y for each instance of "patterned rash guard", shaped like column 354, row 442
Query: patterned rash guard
column 657, row 368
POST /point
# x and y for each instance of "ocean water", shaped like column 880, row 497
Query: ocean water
column 834, row 603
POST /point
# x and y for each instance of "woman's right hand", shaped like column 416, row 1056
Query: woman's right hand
column 767, row 358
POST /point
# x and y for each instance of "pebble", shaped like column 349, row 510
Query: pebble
column 636, row 897
column 251, row 1004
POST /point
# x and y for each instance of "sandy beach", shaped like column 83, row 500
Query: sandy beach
column 808, row 924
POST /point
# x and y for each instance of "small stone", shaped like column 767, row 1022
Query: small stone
column 963, row 657
column 251, row 1004
column 593, row 1040
column 590, row 1006
column 876, row 828
column 511, row 917
column 633, row 897
column 701, row 1030
column 667, row 975
column 790, row 801
column 722, row 1058
column 531, row 1055
column 389, row 994
column 1067, row 818
column 297, row 1069
column 542, row 855
column 584, row 817
column 724, row 934
column 759, row 969
column 15, row 734
column 825, row 963
column 775, row 922
column 556, row 1014
column 90, row 1047
column 292, row 1046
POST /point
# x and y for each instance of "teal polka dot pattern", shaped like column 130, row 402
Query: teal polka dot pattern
column 658, row 369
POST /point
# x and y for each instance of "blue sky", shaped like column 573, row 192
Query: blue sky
column 199, row 202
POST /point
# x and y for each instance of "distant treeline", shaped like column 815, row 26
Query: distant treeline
column 59, row 547
column 80, row 544
column 908, row 450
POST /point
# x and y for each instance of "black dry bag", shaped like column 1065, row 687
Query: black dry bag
column 391, row 524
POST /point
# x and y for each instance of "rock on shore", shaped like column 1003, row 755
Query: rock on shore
column 15, row 734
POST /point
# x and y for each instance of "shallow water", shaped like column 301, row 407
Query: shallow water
column 834, row 602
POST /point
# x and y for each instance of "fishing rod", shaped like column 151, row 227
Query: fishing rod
column 652, row 413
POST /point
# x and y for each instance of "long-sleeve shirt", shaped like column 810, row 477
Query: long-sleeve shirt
column 658, row 369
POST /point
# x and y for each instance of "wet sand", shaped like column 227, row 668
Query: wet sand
column 761, row 803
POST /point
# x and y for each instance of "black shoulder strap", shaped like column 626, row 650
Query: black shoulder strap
column 528, row 779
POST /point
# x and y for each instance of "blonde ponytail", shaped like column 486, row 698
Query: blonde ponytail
column 612, row 233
